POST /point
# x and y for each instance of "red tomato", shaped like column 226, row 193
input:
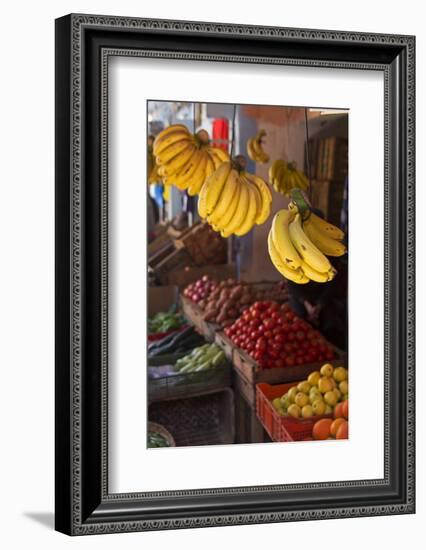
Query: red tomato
column 261, row 344
column 291, row 336
column 279, row 338
column 299, row 361
column 268, row 334
column 300, row 335
column 280, row 363
column 290, row 360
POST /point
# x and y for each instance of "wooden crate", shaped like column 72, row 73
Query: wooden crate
column 176, row 259
column 204, row 245
column 159, row 243
column 195, row 314
column 248, row 368
column 225, row 343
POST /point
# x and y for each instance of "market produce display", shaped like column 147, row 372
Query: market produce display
column 320, row 394
column 165, row 322
column 333, row 428
column 233, row 201
column 176, row 342
column 255, row 150
column 284, row 177
column 273, row 335
column 201, row 359
column 223, row 302
column 299, row 249
column 184, row 159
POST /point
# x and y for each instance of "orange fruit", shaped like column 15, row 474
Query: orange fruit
column 335, row 425
column 345, row 409
column 321, row 429
column 343, row 430
column 338, row 410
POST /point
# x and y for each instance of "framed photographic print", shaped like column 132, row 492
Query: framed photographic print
column 234, row 251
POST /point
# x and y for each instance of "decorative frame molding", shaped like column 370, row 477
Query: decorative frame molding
column 86, row 507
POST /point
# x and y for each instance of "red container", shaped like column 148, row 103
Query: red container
column 282, row 428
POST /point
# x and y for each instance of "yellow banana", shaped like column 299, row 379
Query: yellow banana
column 266, row 197
column 199, row 177
column 215, row 185
column 282, row 241
column 221, row 154
column 233, row 204
column 313, row 274
column 215, row 159
column 162, row 142
column 230, row 188
column 295, row 275
column 327, row 245
column 251, row 213
column 173, row 150
column 305, row 247
column 221, row 173
column 182, row 178
column 240, row 213
column 210, row 166
column 176, row 163
column 326, row 227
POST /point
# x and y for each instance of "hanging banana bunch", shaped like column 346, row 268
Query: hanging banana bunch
column 153, row 175
column 186, row 160
column 299, row 247
column 255, row 150
column 232, row 200
column 284, row 177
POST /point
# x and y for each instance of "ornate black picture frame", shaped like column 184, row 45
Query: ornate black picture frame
column 83, row 45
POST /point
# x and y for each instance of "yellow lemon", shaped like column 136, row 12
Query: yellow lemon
column 307, row 411
column 344, row 386
column 318, row 407
column 340, row 374
column 301, row 399
column 294, row 410
column 327, row 370
column 292, row 392
column 330, row 398
column 314, row 377
column 325, row 384
column 304, row 386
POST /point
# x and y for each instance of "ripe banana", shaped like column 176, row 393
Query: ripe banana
column 230, row 188
column 326, row 227
column 240, row 213
column 211, row 190
column 255, row 150
column 295, row 275
column 186, row 160
column 309, row 253
column 284, row 177
column 266, row 197
column 199, row 176
column 224, row 220
column 163, row 141
column 251, row 213
column 327, row 245
column 282, row 241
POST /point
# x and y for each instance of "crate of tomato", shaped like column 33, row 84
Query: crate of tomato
column 272, row 344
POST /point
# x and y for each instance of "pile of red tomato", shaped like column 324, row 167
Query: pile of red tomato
column 275, row 337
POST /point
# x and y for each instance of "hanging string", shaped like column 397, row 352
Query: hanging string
column 308, row 159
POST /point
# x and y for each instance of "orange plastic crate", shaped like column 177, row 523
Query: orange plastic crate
column 281, row 428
